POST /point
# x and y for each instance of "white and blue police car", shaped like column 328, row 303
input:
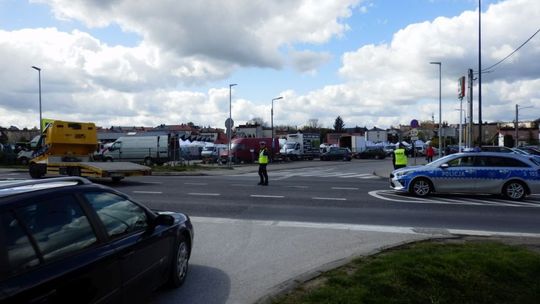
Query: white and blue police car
column 512, row 175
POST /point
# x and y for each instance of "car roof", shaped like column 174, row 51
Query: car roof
column 12, row 187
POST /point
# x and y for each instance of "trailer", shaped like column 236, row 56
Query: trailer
column 66, row 148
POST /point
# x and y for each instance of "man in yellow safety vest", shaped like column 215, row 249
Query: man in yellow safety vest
column 263, row 161
column 399, row 157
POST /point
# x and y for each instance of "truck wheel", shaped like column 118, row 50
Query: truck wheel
column 37, row 170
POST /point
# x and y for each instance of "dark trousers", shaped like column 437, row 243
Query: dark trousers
column 263, row 174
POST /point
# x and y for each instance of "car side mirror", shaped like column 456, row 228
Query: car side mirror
column 444, row 166
column 163, row 220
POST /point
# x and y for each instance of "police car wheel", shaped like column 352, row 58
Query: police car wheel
column 514, row 190
column 421, row 187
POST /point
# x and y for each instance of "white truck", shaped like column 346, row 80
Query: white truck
column 301, row 146
column 140, row 149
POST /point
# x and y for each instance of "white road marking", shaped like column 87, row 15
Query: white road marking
column 204, row 194
column 329, row 198
column 148, row 192
column 298, row 187
column 344, row 188
column 388, row 195
column 196, row 184
column 267, row 196
column 359, row 227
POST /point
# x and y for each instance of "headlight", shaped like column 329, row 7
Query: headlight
column 402, row 173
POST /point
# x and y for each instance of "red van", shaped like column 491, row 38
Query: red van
column 246, row 150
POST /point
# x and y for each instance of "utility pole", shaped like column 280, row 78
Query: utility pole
column 470, row 114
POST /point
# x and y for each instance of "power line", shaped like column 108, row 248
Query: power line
column 500, row 61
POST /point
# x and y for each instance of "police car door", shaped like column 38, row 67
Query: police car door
column 459, row 176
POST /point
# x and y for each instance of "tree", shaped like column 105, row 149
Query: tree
column 339, row 125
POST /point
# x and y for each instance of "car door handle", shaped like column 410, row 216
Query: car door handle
column 503, row 171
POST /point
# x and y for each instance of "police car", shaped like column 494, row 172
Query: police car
column 512, row 175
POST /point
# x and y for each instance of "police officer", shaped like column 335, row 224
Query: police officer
column 263, row 161
column 399, row 157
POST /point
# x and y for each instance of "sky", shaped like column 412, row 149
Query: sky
column 146, row 63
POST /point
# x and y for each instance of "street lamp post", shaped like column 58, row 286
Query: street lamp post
column 229, row 127
column 40, row 118
column 440, row 111
column 272, row 119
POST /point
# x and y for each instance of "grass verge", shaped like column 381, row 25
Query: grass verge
column 430, row 272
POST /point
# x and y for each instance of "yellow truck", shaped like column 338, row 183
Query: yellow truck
column 67, row 149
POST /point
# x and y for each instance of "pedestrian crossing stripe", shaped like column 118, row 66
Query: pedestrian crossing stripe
column 284, row 174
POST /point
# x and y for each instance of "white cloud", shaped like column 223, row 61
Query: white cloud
column 194, row 42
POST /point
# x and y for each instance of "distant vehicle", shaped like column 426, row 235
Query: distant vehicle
column 24, row 157
column 210, row 154
column 67, row 240
column 67, row 149
column 139, row 149
column 371, row 152
column 532, row 150
column 337, row 154
column 27, row 151
column 356, row 143
column 301, row 146
column 511, row 175
column 496, row 149
column 389, row 149
column 451, row 149
column 246, row 150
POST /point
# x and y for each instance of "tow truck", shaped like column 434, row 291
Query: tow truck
column 67, row 149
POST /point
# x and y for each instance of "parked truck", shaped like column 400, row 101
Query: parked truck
column 246, row 150
column 210, row 153
column 66, row 148
column 301, row 146
column 140, row 149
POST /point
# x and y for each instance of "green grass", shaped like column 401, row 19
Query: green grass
column 475, row 272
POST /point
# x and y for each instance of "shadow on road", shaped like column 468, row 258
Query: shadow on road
column 203, row 285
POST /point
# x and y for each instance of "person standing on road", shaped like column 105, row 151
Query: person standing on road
column 399, row 157
column 429, row 153
column 263, row 161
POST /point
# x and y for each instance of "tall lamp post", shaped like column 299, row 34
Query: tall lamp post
column 272, row 119
column 440, row 111
column 40, row 118
column 230, row 124
column 517, row 123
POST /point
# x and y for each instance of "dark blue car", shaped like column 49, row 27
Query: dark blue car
column 67, row 240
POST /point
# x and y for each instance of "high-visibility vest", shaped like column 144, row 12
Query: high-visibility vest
column 263, row 159
column 401, row 158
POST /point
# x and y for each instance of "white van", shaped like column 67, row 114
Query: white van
column 141, row 149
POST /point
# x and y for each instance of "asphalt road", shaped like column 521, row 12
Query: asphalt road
column 251, row 241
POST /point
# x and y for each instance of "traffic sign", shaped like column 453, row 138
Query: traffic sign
column 414, row 137
column 413, row 132
column 414, row 123
column 229, row 123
